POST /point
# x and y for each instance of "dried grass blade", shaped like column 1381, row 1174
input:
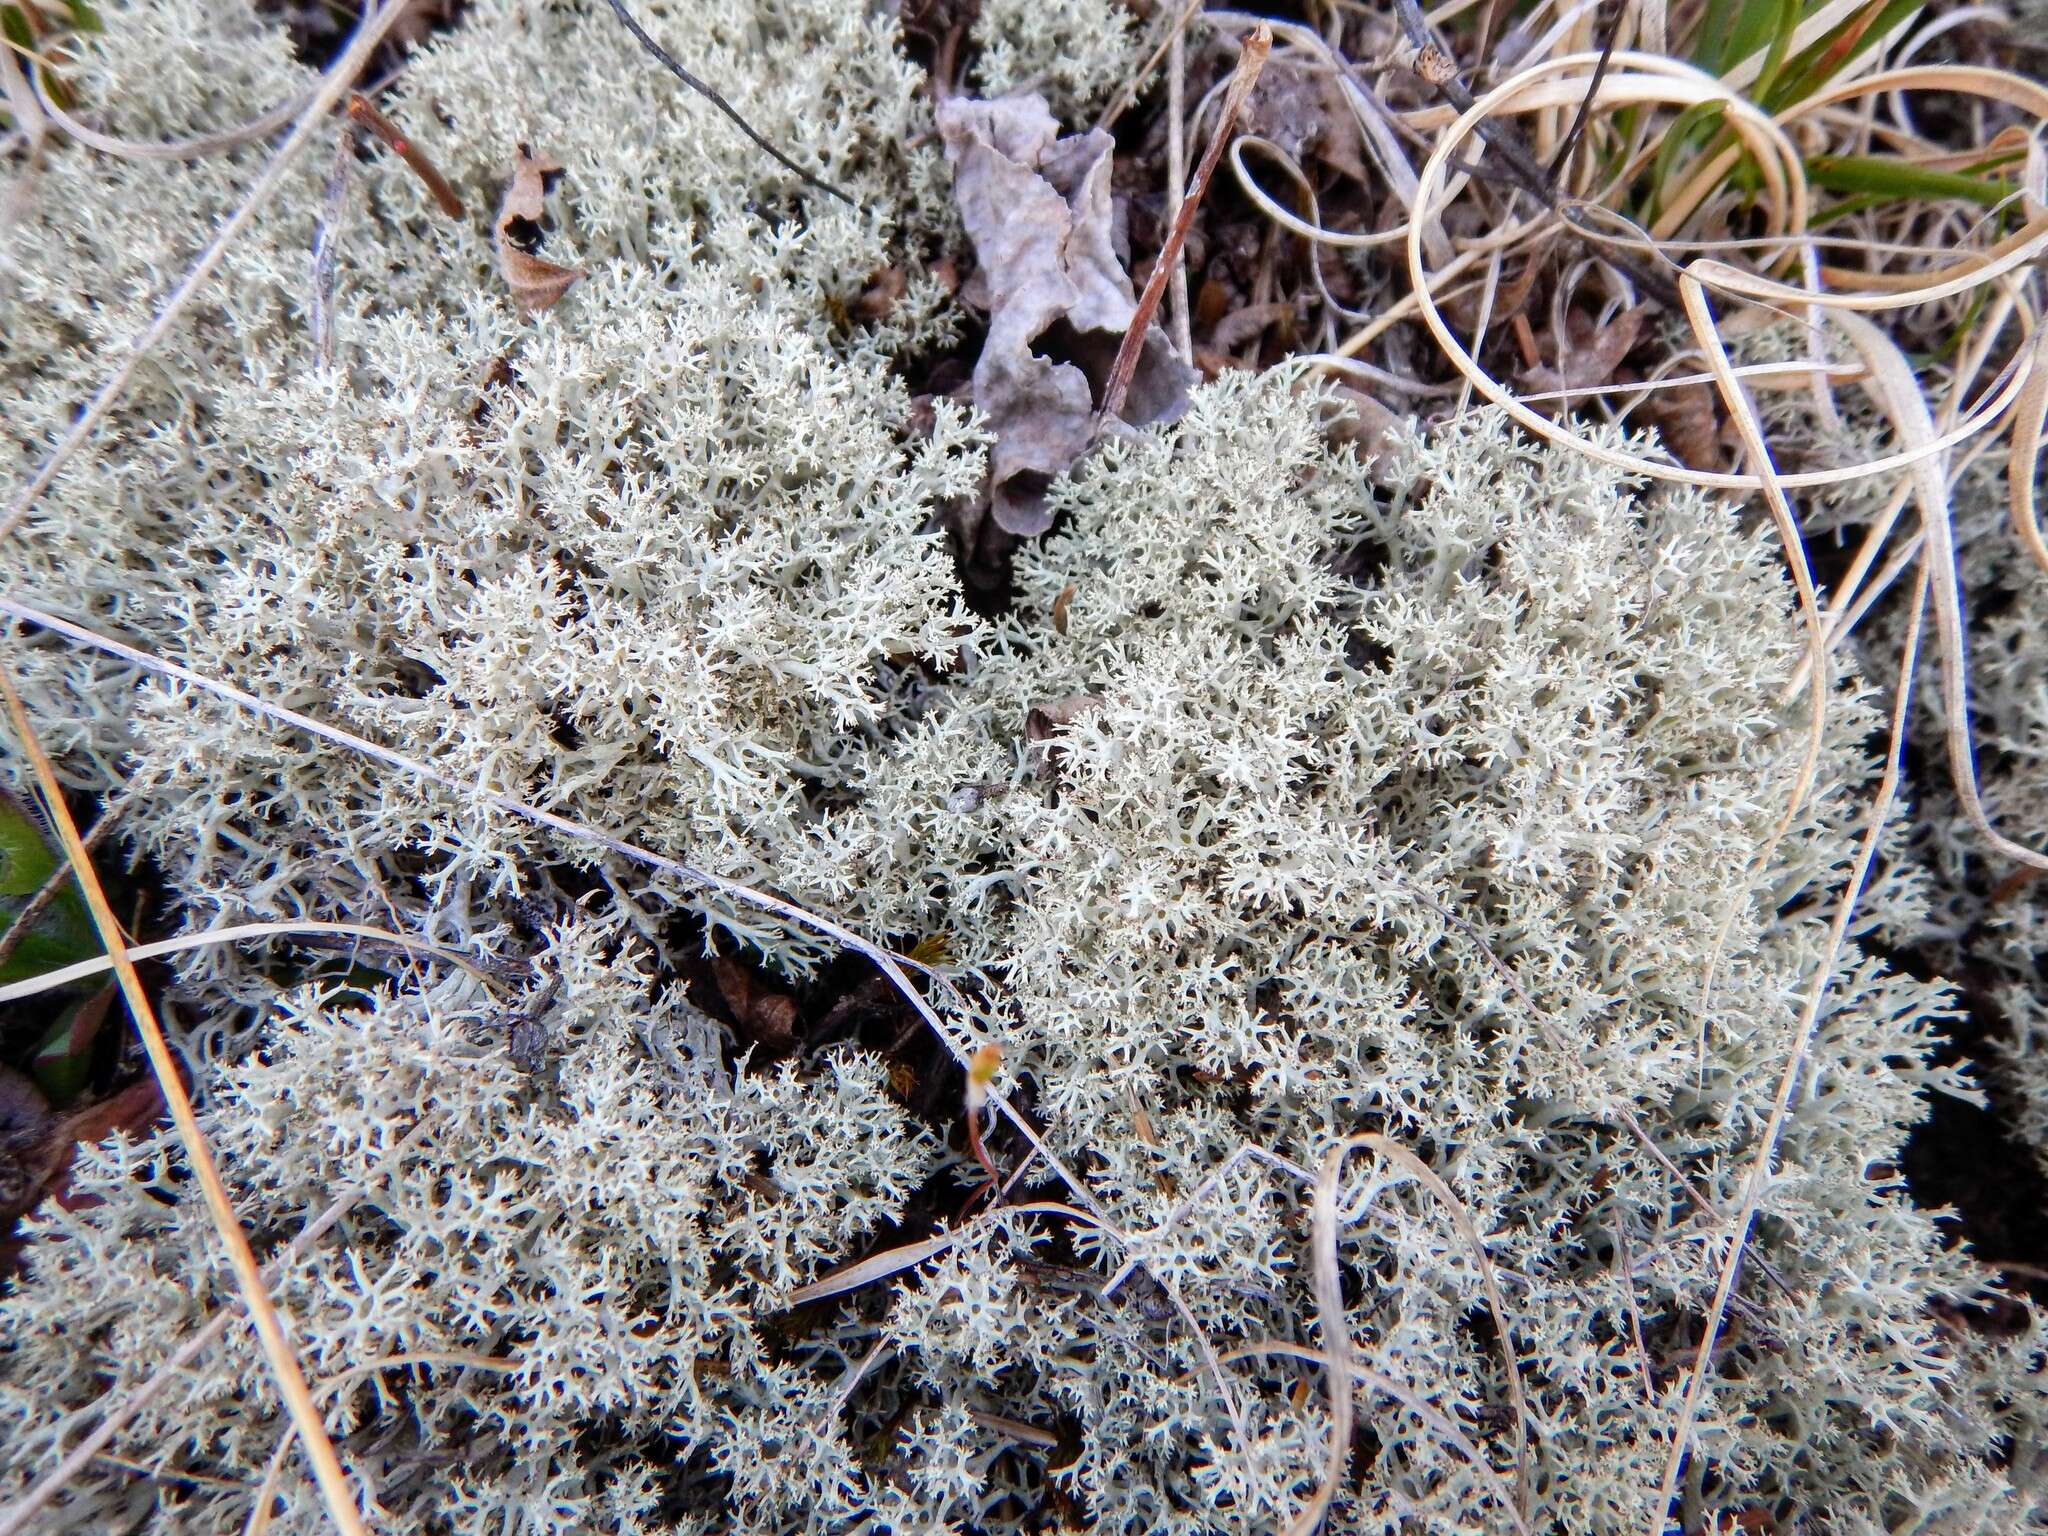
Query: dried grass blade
column 334, row 1483
column 1342, row 1370
column 1893, row 383
column 894, row 1261
column 1760, row 1169
column 2030, row 413
column 50, row 980
column 15, row 1517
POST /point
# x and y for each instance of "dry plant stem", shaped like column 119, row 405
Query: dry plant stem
column 1743, row 413
column 1760, row 1169
column 197, row 147
column 1523, row 169
column 1340, row 1368
column 718, row 101
column 35, row 985
column 1562, row 159
column 1176, row 184
column 2028, row 418
column 1128, row 91
column 1656, row 80
column 333, row 86
column 284, row 1366
column 886, row 961
column 362, row 112
column 259, row 1512
column 1401, row 1393
column 1894, row 386
column 1250, row 61
column 25, row 919
column 15, row 1518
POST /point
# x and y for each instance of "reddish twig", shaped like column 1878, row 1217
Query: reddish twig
column 361, row 112
column 1250, row 61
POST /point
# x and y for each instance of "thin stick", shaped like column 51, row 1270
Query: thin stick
column 284, row 1365
column 333, row 86
column 718, row 101
column 1562, row 158
column 1128, row 91
column 1250, row 61
column 61, row 876
column 361, row 111
column 15, row 1518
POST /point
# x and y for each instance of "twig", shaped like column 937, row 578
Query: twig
column 718, row 101
column 61, row 876
column 1563, row 156
column 1435, row 67
column 15, row 1518
column 1249, row 62
column 332, row 86
column 1128, row 91
column 335, row 1491
column 361, row 111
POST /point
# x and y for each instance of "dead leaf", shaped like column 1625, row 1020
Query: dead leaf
column 1588, row 354
column 1368, row 426
column 1060, row 605
column 523, row 223
column 1038, row 210
column 1686, row 418
column 884, row 291
column 133, row 1110
column 1235, row 329
column 764, row 1015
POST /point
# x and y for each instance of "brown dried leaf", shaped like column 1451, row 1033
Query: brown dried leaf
column 1588, row 355
column 134, row 1110
column 1060, row 606
column 766, row 1016
column 1038, row 210
column 1686, row 418
column 523, row 223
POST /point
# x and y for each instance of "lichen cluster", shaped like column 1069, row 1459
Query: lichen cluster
column 1294, row 798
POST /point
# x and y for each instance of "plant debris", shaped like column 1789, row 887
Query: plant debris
column 1037, row 207
column 523, row 223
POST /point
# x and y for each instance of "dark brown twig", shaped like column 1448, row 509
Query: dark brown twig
column 1434, row 65
column 362, row 113
column 1250, row 61
column 718, row 101
column 1563, row 156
